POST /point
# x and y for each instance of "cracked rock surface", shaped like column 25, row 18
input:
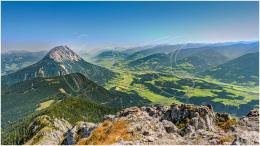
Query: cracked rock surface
column 176, row 124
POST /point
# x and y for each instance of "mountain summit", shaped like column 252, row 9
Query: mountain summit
column 60, row 60
column 63, row 53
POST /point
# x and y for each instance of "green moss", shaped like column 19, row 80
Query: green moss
column 183, row 123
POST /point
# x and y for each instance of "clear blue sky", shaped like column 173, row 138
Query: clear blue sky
column 41, row 25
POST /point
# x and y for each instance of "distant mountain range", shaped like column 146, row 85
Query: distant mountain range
column 60, row 61
column 199, row 60
column 149, row 50
column 15, row 60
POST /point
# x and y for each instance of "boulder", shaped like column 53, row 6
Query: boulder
column 253, row 113
column 80, row 130
column 108, row 117
column 169, row 126
column 201, row 117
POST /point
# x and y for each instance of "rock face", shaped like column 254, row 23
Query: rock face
column 80, row 130
column 247, row 130
column 50, row 131
column 63, row 53
column 176, row 124
column 191, row 117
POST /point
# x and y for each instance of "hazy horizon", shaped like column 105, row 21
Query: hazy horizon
column 89, row 50
column 36, row 26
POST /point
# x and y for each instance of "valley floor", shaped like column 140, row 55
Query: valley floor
column 177, row 86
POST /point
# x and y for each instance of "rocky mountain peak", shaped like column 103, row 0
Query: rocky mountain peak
column 63, row 53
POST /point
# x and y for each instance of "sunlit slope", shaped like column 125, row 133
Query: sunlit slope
column 240, row 70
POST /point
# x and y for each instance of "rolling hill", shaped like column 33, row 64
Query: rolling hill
column 157, row 59
column 164, row 48
column 237, row 49
column 195, row 60
column 229, row 50
column 60, row 61
column 111, row 54
column 240, row 70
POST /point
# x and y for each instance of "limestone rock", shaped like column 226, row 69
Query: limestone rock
column 201, row 117
column 80, row 130
column 169, row 126
column 184, row 124
column 51, row 130
column 108, row 117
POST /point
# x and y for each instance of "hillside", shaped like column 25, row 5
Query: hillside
column 31, row 94
column 27, row 95
column 152, row 60
column 15, row 60
column 111, row 54
column 238, row 49
column 69, row 109
column 149, row 50
column 243, row 69
column 60, row 61
column 229, row 50
column 195, row 60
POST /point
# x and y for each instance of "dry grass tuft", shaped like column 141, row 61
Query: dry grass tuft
column 108, row 133
column 227, row 124
column 227, row 138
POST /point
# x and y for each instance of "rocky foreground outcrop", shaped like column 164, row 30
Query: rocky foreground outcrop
column 48, row 130
column 175, row 124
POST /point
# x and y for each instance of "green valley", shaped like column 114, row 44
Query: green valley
column 174, row 85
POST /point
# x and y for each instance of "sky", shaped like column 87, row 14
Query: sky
column 94, row 25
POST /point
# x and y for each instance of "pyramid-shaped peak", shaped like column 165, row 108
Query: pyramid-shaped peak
column 63, row 53
column 65, row 47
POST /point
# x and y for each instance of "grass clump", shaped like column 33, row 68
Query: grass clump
column 45, row 104
column 108, row 133
column 226, row 138
column 227, row 124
